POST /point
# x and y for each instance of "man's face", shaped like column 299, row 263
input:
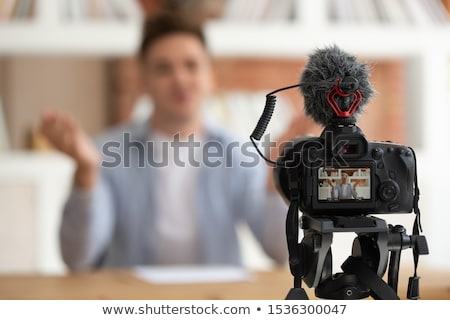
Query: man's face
column 344, row 177
column 178, row 76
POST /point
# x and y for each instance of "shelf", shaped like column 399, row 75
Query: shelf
column 226, row 39
column 292, row 40
column 93, row 38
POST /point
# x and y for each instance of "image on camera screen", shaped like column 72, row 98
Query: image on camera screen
column 343, row 184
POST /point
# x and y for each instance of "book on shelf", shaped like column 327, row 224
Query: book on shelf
column 199, row 10
column 406, row 12
column 394, row 11
column 4, row 136
column 114, row 10
column 439, row 10
column 259, row 10
column 235, row 10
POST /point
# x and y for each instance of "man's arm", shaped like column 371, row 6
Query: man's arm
column 87, row 226
column 334, row 192
column 88, row 218
column 67, row 136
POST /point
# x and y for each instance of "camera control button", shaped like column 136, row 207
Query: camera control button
column 380, row 165
column 388, row 191
column 392, row 174
column 377, row 153
column 390, row 149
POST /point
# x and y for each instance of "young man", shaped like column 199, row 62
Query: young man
column 140, row 195
column 343, row 190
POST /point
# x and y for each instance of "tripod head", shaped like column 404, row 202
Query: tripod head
column 376, row 244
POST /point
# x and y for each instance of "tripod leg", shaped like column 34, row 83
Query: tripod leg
column 394, row 265
column 317, row 251
column 297, row 294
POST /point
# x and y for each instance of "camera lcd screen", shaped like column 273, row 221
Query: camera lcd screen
column 344, row 184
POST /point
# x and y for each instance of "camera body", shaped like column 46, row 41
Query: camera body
column 341, row 173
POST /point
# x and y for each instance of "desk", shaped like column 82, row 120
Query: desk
column 123, row 285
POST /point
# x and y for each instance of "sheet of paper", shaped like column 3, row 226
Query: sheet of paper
column 191, row 274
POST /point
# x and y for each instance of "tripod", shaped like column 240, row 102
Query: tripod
column 376, row 244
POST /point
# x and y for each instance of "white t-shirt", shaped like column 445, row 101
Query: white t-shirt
column 177, row 221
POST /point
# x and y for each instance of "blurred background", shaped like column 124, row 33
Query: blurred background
column 79, row 56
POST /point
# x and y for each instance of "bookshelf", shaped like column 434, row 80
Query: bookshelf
column 54, row 28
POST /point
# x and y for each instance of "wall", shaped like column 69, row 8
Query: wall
column 34, row 84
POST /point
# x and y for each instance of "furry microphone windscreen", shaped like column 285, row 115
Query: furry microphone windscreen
column 324, row 68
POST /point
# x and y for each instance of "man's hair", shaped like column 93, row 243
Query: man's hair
column 163, row 24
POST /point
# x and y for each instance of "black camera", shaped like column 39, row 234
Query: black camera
column 337, row 180
column 341, row 173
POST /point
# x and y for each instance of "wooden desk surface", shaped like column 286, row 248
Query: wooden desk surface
column 122, row 285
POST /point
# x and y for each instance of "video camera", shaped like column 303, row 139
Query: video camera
column 337, row 181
